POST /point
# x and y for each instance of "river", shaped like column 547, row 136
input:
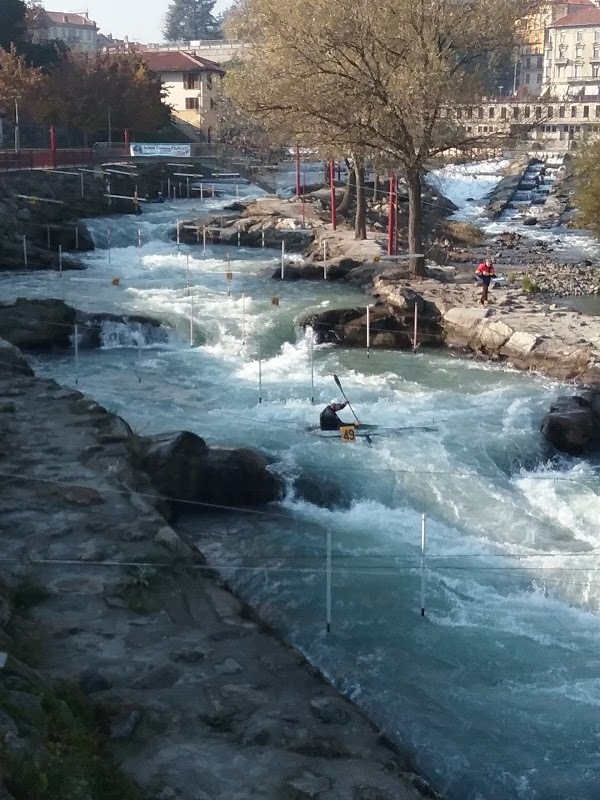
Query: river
column 496, row 690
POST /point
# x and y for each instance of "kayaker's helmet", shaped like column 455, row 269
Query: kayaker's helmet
column 336, row 405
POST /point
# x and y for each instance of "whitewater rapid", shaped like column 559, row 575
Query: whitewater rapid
column 495, row 691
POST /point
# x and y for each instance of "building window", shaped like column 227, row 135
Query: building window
column 573, row 112
column 579, row 36
column 491, row 113
column 596, row 51
column 598, row 111
column 515, row 112
column 538, row 112
column 576, row 70
column 191, row 81
column 209, row 81
column 586, row 112
column 502, row 113
column 469, row 113
column 559, row 71
column 597, row 36
column 579, row 51
column 528, row 63
column 192, row 103
column 562, row 111
column 459, row 113
column 595, row 70
column 527, row 78
column 550, row 112
column 527, row 112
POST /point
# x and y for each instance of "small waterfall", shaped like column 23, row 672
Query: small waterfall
column 533, row 189
column 131, row 333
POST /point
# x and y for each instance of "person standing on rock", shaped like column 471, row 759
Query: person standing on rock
column 484, row 274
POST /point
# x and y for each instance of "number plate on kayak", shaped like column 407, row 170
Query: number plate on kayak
column 348, row 433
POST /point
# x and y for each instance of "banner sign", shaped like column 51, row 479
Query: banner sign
column 169, row 150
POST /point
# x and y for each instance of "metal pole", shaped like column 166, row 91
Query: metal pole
column 243, row 319
column 416, row 328
column 178, row 237
column 204, row 240
column 191, row 320
column 169, row 188
column 81, row 178
column 25, row 250
column 324, row 261
column 303, row 200
column 77, row 237
column 187, row 274
column 140, row 242
column 17, row 128
column 312, row 367
column 48, row 237
column 297, row 170
column 109, row 130
column 76, row 346
column 259, row 374
column 391, row 218
column 60, row 259
column 187, row 180
column 201, row 191
column 237, row 190
column 333, row 201
column 108, row 241
column 368, row 331
column 283, row 260
column 328, row 580
column 262, row 239
column 423, row 524
column 239, row 237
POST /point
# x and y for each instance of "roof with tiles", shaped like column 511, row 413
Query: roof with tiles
column 588, row 16
column 178, row 61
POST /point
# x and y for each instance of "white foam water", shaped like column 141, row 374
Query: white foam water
column 495, row 690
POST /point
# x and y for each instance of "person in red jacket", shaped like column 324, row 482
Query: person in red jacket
column 484, row 274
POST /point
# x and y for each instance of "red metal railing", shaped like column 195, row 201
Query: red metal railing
column 11, row 160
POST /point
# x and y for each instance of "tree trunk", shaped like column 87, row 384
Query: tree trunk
column 376, row 188
column 415, row 222
column 349, row 192
column 360, row 221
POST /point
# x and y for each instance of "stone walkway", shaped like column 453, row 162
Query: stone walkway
column 207, row 704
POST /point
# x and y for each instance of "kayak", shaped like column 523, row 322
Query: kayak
column 367, row 431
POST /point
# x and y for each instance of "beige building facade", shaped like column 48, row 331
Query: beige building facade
column 190, row 83
column 572, row 56
column 77, row 31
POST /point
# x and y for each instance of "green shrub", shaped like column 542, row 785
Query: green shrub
column 529, row 285
column 26, row 594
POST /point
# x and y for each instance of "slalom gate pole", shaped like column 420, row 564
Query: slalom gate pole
column 24, row 251
column 76, row 349
column 60, row 260
column 368, row 331
column 77, row 237
column 204, row 240
column 191, row 320
column 332, row 195
column 312, row 367
column 48, row 237
column 187, row 273
column 324, row 261
column 259, row 373
column 297, row 170
column 169, row 188
column 243, row 319
column 390, row 248
column 262, row 239
column 303, row 200
column 328, row 598
column 108, row 241
column 416, row 329
column 188, row 187
column 423, row 533
column 82, row 185
column 140, row 243
column 239, row 237
column 283, row 260
column 201, row 192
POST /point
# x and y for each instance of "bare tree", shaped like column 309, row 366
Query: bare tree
column 366, row 78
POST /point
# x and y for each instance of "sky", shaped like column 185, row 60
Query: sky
column 140, row 20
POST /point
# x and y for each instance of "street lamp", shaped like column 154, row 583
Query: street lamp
column 501, row 88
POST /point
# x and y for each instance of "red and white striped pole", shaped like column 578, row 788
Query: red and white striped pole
column 332, row 187
column 297, row 170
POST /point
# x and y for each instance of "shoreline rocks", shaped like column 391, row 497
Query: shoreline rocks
column 572, row 425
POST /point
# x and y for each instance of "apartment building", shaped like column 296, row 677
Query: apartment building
column 572, row 55
column 190, row 83
column 531, row 32
column 77, row 31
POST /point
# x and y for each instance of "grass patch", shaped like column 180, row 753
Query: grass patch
column 138, row 590
column 71, row 763
column 26, row 594
column 529, row 285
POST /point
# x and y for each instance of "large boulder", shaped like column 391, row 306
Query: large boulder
column 571, row 425
column 38, row 325
column 183, row 468
column 12, row 361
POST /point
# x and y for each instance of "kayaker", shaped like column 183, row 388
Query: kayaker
column 329, row 419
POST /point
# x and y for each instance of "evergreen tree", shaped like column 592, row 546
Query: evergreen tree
column 13, row 27
column 191, row 19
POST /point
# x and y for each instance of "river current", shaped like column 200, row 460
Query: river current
column 496, row 690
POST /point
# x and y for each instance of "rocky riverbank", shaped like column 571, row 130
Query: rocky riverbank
column 124, row 649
